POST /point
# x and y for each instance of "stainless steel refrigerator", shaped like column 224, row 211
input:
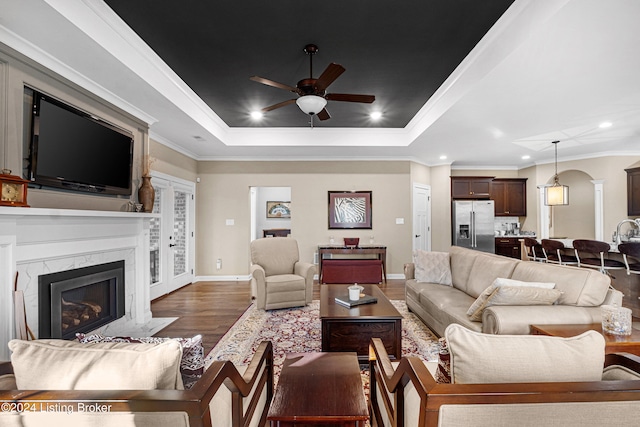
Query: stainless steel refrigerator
column 473, row 225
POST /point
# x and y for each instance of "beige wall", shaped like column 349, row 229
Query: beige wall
column 171, row 162
column 223, row 193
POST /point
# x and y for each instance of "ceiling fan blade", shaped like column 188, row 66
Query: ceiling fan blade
column 324, row 114
column 278, row 105
column 349, row 97
column 273, row 84
column 329, row 75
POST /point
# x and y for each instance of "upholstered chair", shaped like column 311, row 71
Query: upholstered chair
column 278, row 278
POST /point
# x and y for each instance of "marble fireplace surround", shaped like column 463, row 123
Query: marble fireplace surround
column 37, row 241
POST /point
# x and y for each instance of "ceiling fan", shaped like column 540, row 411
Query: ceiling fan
column 312, row 96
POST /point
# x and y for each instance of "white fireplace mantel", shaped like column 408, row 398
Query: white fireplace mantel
column 37, row 241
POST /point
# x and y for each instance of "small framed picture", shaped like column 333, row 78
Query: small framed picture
column 278, row 209
column 350, row 209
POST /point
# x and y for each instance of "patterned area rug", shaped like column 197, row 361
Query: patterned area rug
column 297, row 330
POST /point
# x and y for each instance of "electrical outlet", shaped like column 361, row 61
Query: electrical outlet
column 219, row 264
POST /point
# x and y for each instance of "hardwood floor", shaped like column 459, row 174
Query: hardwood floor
column 211, row 308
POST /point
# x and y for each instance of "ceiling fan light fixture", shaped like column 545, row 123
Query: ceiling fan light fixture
column 311, row 104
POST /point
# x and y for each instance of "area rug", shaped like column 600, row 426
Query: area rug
column 297, row 330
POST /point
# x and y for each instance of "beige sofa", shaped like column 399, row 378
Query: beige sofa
column 508, row 380
column 583, row 291
column 126, row 385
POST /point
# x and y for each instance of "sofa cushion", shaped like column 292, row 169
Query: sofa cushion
column 70, row 365
column 478, row 358
column 432, row 267
column 486, row 269
column 579, row 286
column 514, row 295
column 191, row 364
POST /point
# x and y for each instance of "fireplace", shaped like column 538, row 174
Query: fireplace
column 80, row 300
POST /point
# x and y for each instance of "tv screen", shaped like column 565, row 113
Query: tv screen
column 73, row 150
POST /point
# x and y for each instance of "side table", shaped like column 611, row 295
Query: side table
column 613, row 343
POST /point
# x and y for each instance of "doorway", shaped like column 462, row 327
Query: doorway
column 172, row 241
column 421, row 217
column 270, row 211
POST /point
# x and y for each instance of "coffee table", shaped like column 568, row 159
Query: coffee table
column 613, row 343
column 351, row 329
column 319, row 388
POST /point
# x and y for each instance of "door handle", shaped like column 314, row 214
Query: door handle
column 171, row 245
column 417, row 235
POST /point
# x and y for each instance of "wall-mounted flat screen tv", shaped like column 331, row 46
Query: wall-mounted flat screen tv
column 73, row 150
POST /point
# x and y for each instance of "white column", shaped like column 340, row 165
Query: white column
column 598, row 198
column 7, row 275
column 543, row 213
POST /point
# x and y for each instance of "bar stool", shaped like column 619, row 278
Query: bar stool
column 631, row 255
column 585, row 251
column 555, row 253
column 534, row 250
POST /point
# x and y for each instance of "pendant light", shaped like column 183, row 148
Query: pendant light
column 556, row 194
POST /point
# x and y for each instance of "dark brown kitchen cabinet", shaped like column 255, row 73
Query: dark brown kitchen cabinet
column 633, row 191
column 509, row 196
column 470, row 187
column 508, row 246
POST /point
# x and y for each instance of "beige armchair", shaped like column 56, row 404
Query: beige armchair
column 225, row 396
column 406, row 394
column 278, row 278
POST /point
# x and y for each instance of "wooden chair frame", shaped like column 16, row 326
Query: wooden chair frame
column 193, row 402
column 433, row 395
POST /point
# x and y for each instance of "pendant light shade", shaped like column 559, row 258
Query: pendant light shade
column 311, row 104
column 557, row 194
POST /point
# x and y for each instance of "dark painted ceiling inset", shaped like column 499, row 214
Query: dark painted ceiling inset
column 401, row 52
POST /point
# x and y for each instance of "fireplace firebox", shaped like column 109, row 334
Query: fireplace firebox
column 80, row 300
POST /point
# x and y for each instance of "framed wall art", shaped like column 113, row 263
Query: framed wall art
column 278, row 209
column 350, row 209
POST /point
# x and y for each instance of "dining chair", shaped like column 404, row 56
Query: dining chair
column 595, row 254
column 555, row 252
column 534, row 250
column 631, row 255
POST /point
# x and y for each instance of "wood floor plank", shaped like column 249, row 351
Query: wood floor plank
column 211, row 308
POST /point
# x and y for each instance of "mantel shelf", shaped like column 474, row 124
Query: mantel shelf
column 6, row 211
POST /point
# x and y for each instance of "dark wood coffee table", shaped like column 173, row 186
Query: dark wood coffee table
column 613, row 343
column 351, row 329
column 319, row 388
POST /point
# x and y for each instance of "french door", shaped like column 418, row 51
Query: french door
column 172, row 242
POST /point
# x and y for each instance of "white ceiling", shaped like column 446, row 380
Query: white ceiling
column 548, row 70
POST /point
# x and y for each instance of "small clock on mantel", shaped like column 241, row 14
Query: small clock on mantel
column 14, row 190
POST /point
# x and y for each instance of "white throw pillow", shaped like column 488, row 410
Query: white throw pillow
column 516, row 295
column 70, row 365
column 477, row 358
column 501, row 281
column 432, row 267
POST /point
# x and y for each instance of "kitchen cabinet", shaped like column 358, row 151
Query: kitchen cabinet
column 508, row 246
column 509, row 196
column 470, row 187
column 633, row 191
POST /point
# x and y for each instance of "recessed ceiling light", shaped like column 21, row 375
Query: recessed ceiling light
column 605, row 125
column 256, row 115
column 526, row 157
column 443, row 157
column 376, row 115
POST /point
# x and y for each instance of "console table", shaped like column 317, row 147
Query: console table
column 377, row 252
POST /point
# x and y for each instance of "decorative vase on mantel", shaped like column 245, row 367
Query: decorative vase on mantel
column 146, row 194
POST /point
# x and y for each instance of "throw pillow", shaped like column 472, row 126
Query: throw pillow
column 501, row 281
column 516, row 295
column 68, row 365
column 191, row 364
column 432, row 267
column 443, row 372
column 478, row 358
